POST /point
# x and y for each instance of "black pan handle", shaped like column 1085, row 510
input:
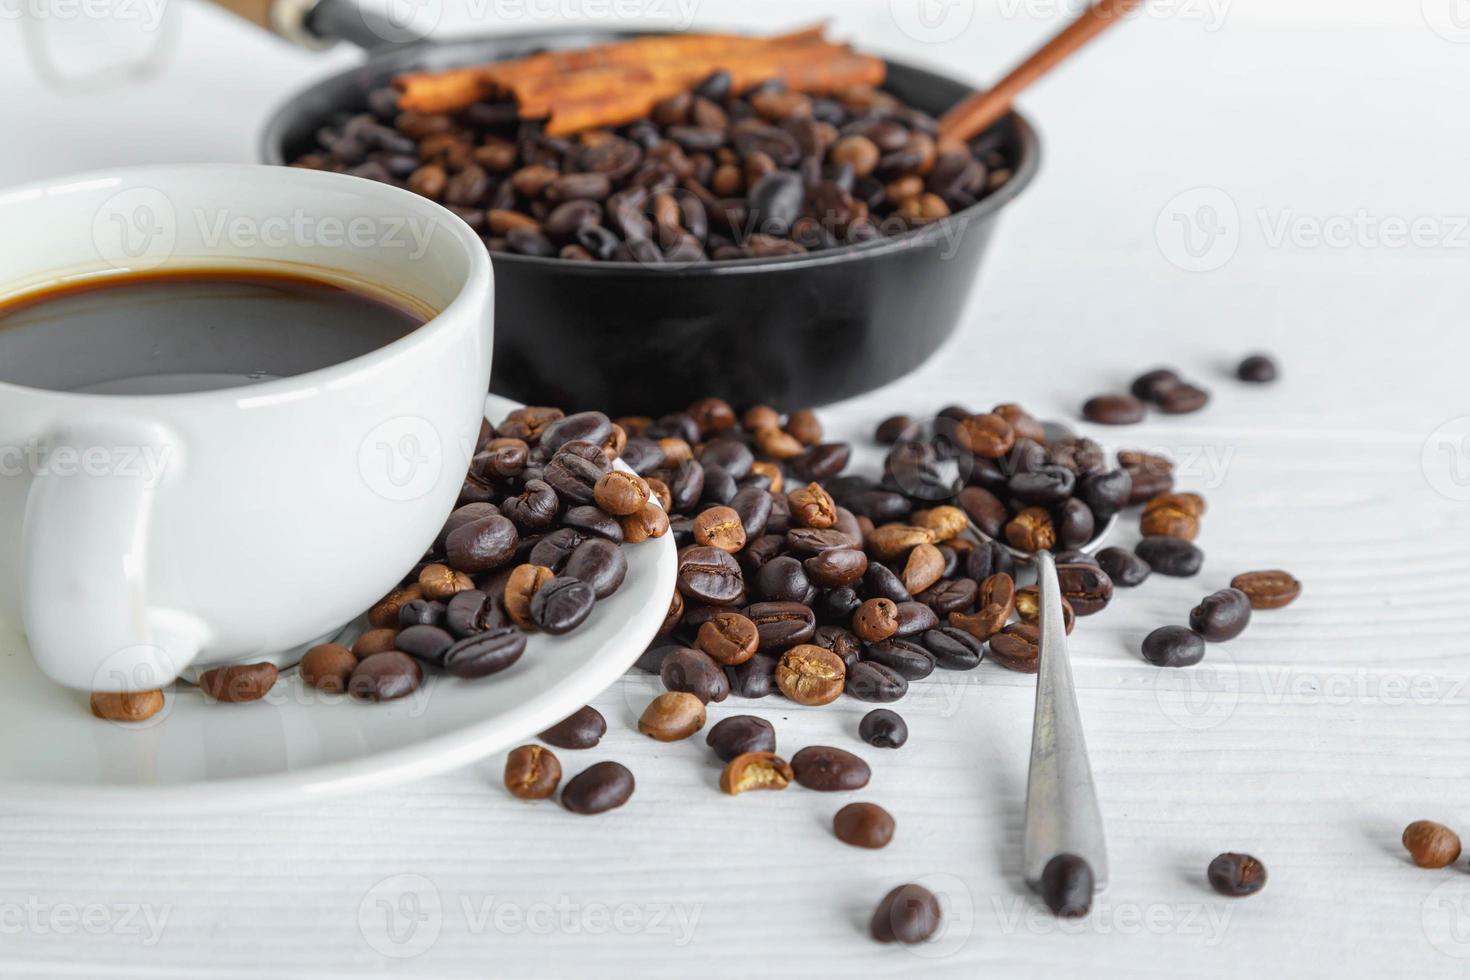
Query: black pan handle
column 318, row 24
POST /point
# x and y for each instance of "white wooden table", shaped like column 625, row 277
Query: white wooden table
column 1332, row 150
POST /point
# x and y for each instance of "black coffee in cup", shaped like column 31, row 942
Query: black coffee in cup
column 165, row 332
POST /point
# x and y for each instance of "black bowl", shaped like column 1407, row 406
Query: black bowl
column 629, row 338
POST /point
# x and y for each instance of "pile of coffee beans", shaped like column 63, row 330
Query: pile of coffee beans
column 1220, row 616
column 709, row 175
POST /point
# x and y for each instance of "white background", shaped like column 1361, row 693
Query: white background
column 1320, row 133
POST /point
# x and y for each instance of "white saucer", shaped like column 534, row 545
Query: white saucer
column 297, row 742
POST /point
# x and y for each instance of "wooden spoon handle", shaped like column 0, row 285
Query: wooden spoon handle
column 977, row 113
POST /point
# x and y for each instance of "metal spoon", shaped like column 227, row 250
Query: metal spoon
column 1062, row 815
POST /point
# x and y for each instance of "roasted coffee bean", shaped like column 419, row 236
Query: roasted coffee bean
column 1182, row 398
column 729, row 638
column 840, row 641
column 880, row 582
column 593, row 427
column 1067, row 885
column 828, row 769
column 811, row 506
column 1170, row 556
column 950, row 595
column 621, row 493
column 783, row 579
column 421, row 612
column 1113, row 410
column 1074, row 523
column 953, row 648
column 1431, row 845
column 871, row 681
column 524, row 581
column 782, row 624
column 863, row 825
column 753, row 506
column 821, row 462
column 384, row 615
column 1257, row 368
column 1017, row 647
column 1031, row 530
column 895, row 428
column 374, row 641
column 1236, row 875
column 1150, row 475
column 884, row 729
column 600, row 787
column 923, row 567
column 440, row 582
column 1105, row 493
column 562, row 604
column 755, row 770
column 485, row 653
column 988, row 558
column 1028, row 607
column 805, row 541
column 1124, row 567
column 905, row 658
column 482, row 545
column 810, row 675
column 574, row 476
column 876, row 620
column 694, row 672
column 593, row 521
column 1221, row 615
column 909, row 914
column 1268, row 590
column 533, row 509
column 327, row 666
column 719, row 487
column 130, row 706
column 988, row 436
column 385, row 676
column 1174, row 515
column 710, row 575
column 1086, row 587
column 469, row 613
column 672, row 716
column 914, row 618
column 739, row 734
column 756, row 678
column 1149, row 385
column 1173, row 646
column 426, row 643
column 241, row 682
column 601, row 564
column 836, row 567
column 582, row 729
column 532, row 772
column 650, row 522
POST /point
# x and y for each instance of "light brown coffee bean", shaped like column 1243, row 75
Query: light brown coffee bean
column 650, row 522
column 770, row 471
column 532, row 772
column 524, row 582
column 621, row 493
column 892, row 541
column 1028, row 607
column 1174, row 515
column 672, row 716
column 1268, row 590
column 130, row 706
column 384, row 615
column 876, row 620
column 863, row 825
column 720, row 527
column 946, row 521
column 811, row 506
column 778, row 444
column 729, row 638
column 441, row 582
column 988, row 436
column 755, row 770
column 327, row 666
column 1430, row 844
column 239, row 682
column 924, row 567
column 374, row 641
column 804, row 425
column 1031, row 530
column 810, row 675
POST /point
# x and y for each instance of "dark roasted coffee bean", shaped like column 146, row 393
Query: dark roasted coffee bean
column 871, row 681
column 695, row 672
column 574, row 477
column 759, row 551
column 1221, row 615
column 1105, row 493
column 468, row 613
column 482, row 545
column 555, row 549
column 863, row 825
column 783, row 579
column 884, row 729
column 953, row 648
column 642, row 455
column 385, row 676
column 906, row 658
column 756, row 678
column 804, row 541
column 985, row 509
column 1086, row 587
column 1173, row 646
column 1149, row 475
column 1074, row 523
column 582, row 729
column 589, row 520
column 1113, row 410
column 593, row 427
column 988, row 558
column 485, row 653
column 908, row 914
column 710, row 575
column 1017, row 647
column 1067, row 885
column 601, row 564
column 600, row 787
column 562, row 604
column 425, row 642
column 836, row 567
column 1236, row 875
column 739, row 734
column 1170, row 556
column 837, row 605
column 915, row 618
column 828, row 769
column 880, row 506
column 1028, row 607
column 840, row 641
column 1268, row 590
column 782, row 624
column 1149, row 385
column 534, row 508
column 775, row 202
column 950, row 595
column 880, row 582
column 753, row 506
column 1182, row 398
column 1124, row 567
column 719, row 486
column 651, row 660
column 425, row 612
column 1257, row 368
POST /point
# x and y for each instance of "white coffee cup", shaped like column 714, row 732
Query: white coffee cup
column 147, row 533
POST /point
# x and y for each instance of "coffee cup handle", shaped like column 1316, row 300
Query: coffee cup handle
column 85, row 549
